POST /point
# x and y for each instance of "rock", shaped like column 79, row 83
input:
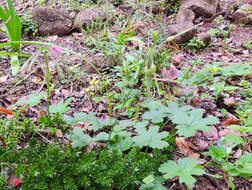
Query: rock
column 185, row 15
column 243, row 15
column 180, row 27
column 239, row 15
column 206, row 8
column 52, row 21
column 205, row 37
column 88, row 16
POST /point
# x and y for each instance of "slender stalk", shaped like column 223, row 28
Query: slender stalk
column 47, row 78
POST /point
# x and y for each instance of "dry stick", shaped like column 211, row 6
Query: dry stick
column 172, row 38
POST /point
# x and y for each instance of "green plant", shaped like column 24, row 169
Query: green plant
column 12, row 23
column 28, row 25
column 196, row 43
column 151, row 137
column 248, row 44
column 220, row 156
column 186, row 118
column 220, row 87
column 153, row 183
column 43, row 164
column 184, row 169
column 240, row 69
column 205, row 75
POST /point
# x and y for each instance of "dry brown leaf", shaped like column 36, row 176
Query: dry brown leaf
column 211, row 134
column 237, row 153
column 230, row 101
column 177, row 59
column 184, row 147
column 6, row 111
column 231, row 122
column 173, row 72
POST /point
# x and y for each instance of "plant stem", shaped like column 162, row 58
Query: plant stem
column 47, row 78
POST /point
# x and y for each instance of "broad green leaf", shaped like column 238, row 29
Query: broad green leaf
column 233, row 138
column 33, row 99
column 90, row 118
column 218, row 153
column 79, row 139
column 149, row 179
column 121, row 143
column 151, row 137
column 186, row 118
column 190, row 121
column 153, row 183
column 245, row 165
column 119, row 131
column 157, row 112
column 101, row 137
column 126, row 123
column 143, row 123
column 240, row 69
column 242, row 129
column 184, row 169
column 61, row 107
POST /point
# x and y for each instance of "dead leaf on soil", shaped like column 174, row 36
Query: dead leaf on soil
column 184, row 147
column 237, row 153
column 230, row 101
column 199, row 145
column 82, row 125
column 6, row 111
column 211, row 135
column 173, row 72
column 231, row 122
column 177, row 59
column 226, row 132
column 164, row 73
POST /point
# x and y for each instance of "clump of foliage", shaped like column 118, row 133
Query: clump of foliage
column 12, row 24
column 52, row 165
column 29, row 26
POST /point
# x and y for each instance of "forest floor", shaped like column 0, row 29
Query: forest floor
column 215, row 77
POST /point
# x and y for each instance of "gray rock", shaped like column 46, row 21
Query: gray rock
column 243, row 15
column 206, row 8
column 52, row 21
column 205, row 37
column 185, row 15
column 179, row 28
column 88, row 16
